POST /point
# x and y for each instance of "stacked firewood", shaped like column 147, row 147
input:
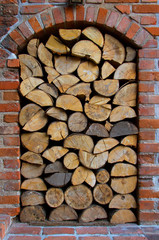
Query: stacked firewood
column 78, row 128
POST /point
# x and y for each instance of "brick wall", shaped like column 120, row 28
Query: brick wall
column 137, row 22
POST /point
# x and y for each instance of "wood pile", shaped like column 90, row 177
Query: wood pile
column 78, row 128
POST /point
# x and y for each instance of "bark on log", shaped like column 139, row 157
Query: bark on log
column 52, row 74
column 57, row 113
column 106, row 87
column 123, row 128
column 98, row 130
column 93, row 213
column 123, row 169
column 40, row 97
column 31, row 214
column 32, row 47
column 27, row 112
column 80, row 89
column 69, row 102
column 123, row 216
column 50, row 89
column 56, row 167
column 121, row 112
column 54, row 197
column 130, row 54
column 130, row 141
column 45, row 56
column 94, row 35
column 63, row 213
column 31, row 198
column 82, row 174
column 106, row 70
column 66, row 64
column 105, row 144
column 124, row 201
column 97, row 112
column 121, row 153
column 56, row 46
column 70, row 35
column 54, row 153
column 126, row 71
column 64, row 82
column 124, row 185
column 77, row 122
column 29, row 84
column 35, row 184
column 102, row 176
column 32, row 170
column 102, row 194
column 71, row 160
column 88, row 71
column 57, row 131
column 59, row 179
column 32, row 157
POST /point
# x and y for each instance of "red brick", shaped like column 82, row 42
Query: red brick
column 9, row 85
column 147, row 217
column 121, row 1
column 125, row 230
column 149, row 123
column 90, row 14
column 10, row 107
column 146, row 76
column 69, row 14
column 147, row 135
column 5, row 219
column 146, row 87
column 24, row 238
column 11, row 185
column 36, row 1
column 9, row 199
column 13, row 63
column 9, row 130
column 149, row 147
column 9, row 9
column 145, row 8
column 57, row 15
column 146, row 183
column 130, row 238
column 56, row 230
column 9, row 44
column 149, row 53
column 123, row 8
column 152, row 43
column 92, row 230
column 146, row 111
column 60, row 237
column 11, row 141
column 153, row 30
column 112, row 19
column 2, row 230
column 124, row 24
column 25, row 30
column 14, row 164
column 8, row 20
column 11, row 118
column 146, row 64
column 46, row 19
column 148, row 20
column 132, row 30
column 135, row 17
column 33, row 9
column 12, row 74
column 79, row 13
column 18, row 229
column 3, row 54
column 17, row 37
column 8, row 1
column 94, row 238
column 11, row 212
column 142, row 37
column 2, row 63
column 9, row 152
column 10, row 175
column 11, row 96
column 102, row 14
column 35, row 24
column 151, row 99
column 149, row 170
column 148, row 158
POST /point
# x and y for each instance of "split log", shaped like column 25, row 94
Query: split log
column 37, row 122
column 125, row 201
column 82, row 174
column 98, row 130
column 123, row 128
column 130, row 141
column 102, row 194
column 57, row 131
column 121, row 112
column 108, row 126
column 52, row 74
column 88, row 71
column 70, row 35
column 80, row 89
column 121, row 153
column 113, row 50
column 65, row 81
column 71, row 160
column 107, row 87
column 35, row 184
column 99, row 100
column 56, row 167
column 63, row 213
column 27, row 112
column 31, row 198
column 94, row 34
column 130, row 54
column 50, row 89
column 31, row 214
column 59, row 179
column 105, row 144
column 32, row 63
column 88, row 49
column 57, row 113
column 92, row 161
column 124, row 185
column 25, row 72
column 56, row 46
column 29, row 84
column 32, row 47
column 126, row 96
column 69, row 102
column 93, row 213
column 106, row 70
column 45, row 56
column 32, row 157
column 35, row 142
column 102, row 176
column 54, row 197
column 78, row 197
column 97, row 112
column 123, row 169
column 32, row 170
column 40, row 97
column 66, row 64
column 54, row 153
column 126, row 71
column 77, row 122
column 123, row 216
column 79, row 141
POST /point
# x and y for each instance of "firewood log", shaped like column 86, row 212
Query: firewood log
column 113, row 50
column 124, row 201
column 121, row 112
column 63, row 213
column 102, row 176
column 88, row 49
column 40, row 97
column 123, row 128
column 65, row 81
column 77, row 122
column 32, row 63
column 31, row 198
column 93, row 213
column 100, row 100
column 54, row 153
column 102, row 194
column 32, row 47
column 123, row 169
column 57, row 131
column 88, row 71
column 56, row 167
column 130, row 140
column 80, row 89
column 130, row 54
column 52, row 74
column 25, row 72
column 45, row 56
column 108, row 126
column 66, row 64
column 27, row 112
column 32, row 157
column 105, row 144
column 126, row 71
column 35, row 142
column 29, row 84
column 106, row 87
column 94, row 34
column 57, row 113
column 106, row 70
column 71, row 160
column 35, row 184
column 32, row 170
column 50, row 89
column 59, row 179
column 54, row 197
column 70, row 35
column 78, row 197
column 31, row 214
column 124, row 185
column 93, row 161
column 121, row 153
column 96, row 129
column 82, row 174
column 56, row 46
column 69, row 102
column 79, row 141
column 123, row 216
column 97, row 112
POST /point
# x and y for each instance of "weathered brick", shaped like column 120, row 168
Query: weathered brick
column 149, row 170
column 24, row 238
column 11, row 211
column 25, row 30
column 9, row 44
column 146, row 87
column 148, row 20
column 113, row 19
column 11, row 141
column 13, row 63
column 125, row 230
column 11, row 96
column 141, row 37
column 10, row 118
column 149, row 147
column 35, row 24
column 9, row 199
column 94, row 238
column 33, row 9
column 80, row 12
column 147, row 135
column 24, row 229
column 11, row 185
column 2, row 63
column 69, row 16
column 46, row 19
column 149, row 99
column 9, row 152
column 57, row 15
column 123, row 8
column 3, row 54
column 152, row 43
column 9, row 130
column 145, row 8
column 121, row 1
column 91, row 230
column 56, row 230
column 149, row 53
column 145, row 183
column 146, row 111
column 90, row 14
column 8, row 20
column 12, row 74
column 149, row 123
column 148, row 217
column 130, row 238
column 132, row 30
column 146, row 158
column 123, row 24
column 145, row 76
column 146, row 64
column 102, row 14
column 60, row 237
column 10, row 107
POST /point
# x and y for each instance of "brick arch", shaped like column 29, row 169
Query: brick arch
column 118, row 24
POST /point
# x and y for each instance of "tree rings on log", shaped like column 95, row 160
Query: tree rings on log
column 77, row 122
column 123, row 128
column 31, row 198
column 88, row 71
column 102, row 193
column 93, row 213
column 54, row 197
column 123, row 216
column 71, row 160
column 121, row 153
column 124, row 201
column 31, row 214
column 63, row 213
column 124, row 185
